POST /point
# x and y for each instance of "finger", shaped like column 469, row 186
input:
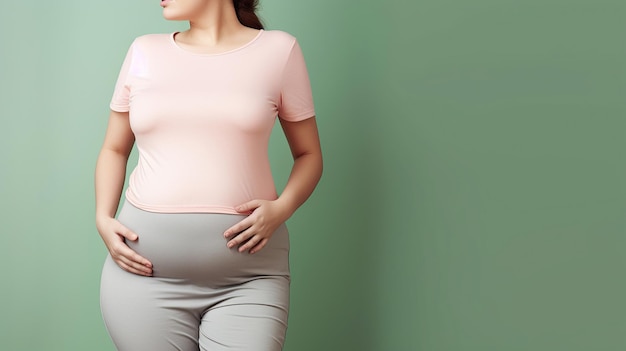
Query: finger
column 140, row 260
column 248, row 206
column 131, row 269
column 239, row 227
column 250, row 243
column 131, row 266
column 127, row 233
column 124, row 251
column 259, row 246
column 134, row 260
column 241, row 238
column 135, row 267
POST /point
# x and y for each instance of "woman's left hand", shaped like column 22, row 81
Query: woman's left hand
column 252, row 233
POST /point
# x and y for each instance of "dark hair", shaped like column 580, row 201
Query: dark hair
column 246, row 13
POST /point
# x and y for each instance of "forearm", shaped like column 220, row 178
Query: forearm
column 305, row 174
column 109, row 181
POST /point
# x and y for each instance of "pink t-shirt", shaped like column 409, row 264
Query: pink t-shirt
column 202, row 122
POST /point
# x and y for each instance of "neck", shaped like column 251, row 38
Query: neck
column 217, row 20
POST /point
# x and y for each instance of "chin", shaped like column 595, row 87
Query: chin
column 174, row 16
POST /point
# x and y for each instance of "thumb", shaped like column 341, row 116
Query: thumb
column 127, row 233
column 248, row 206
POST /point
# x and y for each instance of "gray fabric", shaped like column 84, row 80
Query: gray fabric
column 202, row 296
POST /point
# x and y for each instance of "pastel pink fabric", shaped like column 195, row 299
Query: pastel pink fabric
column 202, row 122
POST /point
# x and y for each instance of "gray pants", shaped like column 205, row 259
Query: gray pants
column 202, row 295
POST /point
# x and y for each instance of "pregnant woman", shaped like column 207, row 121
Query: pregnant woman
column 199, row 252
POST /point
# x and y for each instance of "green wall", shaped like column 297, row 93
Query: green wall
column 474, row 193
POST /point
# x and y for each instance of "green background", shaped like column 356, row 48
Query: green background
column 475, row 178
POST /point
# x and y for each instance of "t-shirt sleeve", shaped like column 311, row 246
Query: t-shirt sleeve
column 120, row 99
column 296, row 98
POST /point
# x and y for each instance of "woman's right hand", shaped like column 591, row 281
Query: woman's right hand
column 113, row 233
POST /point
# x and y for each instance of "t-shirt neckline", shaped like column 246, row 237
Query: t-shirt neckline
column 173, row 42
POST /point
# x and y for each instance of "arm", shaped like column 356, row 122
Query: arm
column 109, row 182
column 307, row 168
column 306, row 172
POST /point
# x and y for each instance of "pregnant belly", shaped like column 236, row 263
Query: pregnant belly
column 191, row 246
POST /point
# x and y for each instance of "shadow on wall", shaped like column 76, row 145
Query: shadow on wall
column 334, row 296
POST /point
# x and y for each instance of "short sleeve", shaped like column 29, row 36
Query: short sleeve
column 120, row 99
column 296, row 98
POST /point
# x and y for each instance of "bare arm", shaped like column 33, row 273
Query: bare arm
column 111, row 164
column 307, row 168
column 256, row 229
column 109, row 182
